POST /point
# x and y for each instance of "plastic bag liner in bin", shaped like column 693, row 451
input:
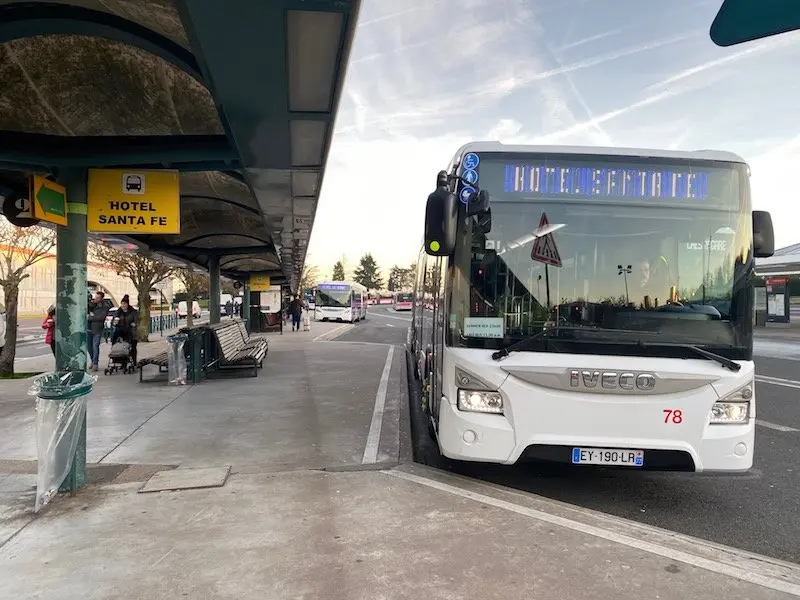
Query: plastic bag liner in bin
column 176, row 358
column 60, row 409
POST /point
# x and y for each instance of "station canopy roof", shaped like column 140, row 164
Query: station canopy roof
column 240, row 96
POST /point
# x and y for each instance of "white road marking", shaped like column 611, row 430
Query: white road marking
column 385, row 316
column 790, row 383
column 776, row 427
column 733, row 562
column 48, row 353
column 374, row 436
column 388, row 325
column 329, row 335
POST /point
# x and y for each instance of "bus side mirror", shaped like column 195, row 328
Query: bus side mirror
column 440, row 223
column 763, row 234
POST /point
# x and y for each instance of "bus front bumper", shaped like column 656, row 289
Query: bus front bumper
column 491, row 438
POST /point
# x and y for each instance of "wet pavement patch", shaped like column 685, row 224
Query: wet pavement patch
column 186, row 479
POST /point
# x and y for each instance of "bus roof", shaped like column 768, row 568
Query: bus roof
column 715, row 155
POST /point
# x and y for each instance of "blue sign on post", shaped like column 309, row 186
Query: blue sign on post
column 470, row 161
column 470, row 177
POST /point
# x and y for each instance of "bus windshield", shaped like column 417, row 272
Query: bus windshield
column 659, row 249
column 404, row 297
column 332, row 297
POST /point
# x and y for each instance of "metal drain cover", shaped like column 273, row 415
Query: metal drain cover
column 186, row 479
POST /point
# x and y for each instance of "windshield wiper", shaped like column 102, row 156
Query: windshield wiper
column 526, row 342
column 518, row 345
column 725, row 362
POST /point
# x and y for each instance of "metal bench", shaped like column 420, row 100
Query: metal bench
column 161, row 360
column 251, row 342
column 234, row 352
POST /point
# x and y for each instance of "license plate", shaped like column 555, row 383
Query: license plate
column 607, row 456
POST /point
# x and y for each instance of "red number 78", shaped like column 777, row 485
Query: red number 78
column 673, row 416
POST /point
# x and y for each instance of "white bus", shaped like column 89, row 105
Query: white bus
column 590, row 306
column 340, row 301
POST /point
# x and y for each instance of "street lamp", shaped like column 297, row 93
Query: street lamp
column 625, row 271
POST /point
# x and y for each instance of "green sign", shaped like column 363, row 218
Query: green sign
column 48, row 200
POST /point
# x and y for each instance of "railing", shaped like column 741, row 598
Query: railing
column 162, row 323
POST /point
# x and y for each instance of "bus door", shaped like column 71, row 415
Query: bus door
column 438, row 326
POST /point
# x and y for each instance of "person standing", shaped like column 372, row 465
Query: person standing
column 2, row 329
column 98, row 311
column 127, row 326
column 49, row 326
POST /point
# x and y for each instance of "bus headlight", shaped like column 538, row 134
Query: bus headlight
column 733, row 409
column 480, row 401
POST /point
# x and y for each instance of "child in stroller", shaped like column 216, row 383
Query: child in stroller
column 122, row 356
column 119, row 357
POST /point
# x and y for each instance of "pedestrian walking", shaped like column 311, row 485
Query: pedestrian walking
column 295, row 312
column 96, row 321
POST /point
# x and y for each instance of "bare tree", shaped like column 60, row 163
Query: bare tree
column 143, row 271
column 195, row 284
column 20, row 249
column 309, row 277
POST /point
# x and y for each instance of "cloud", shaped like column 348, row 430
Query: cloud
column 430, row 75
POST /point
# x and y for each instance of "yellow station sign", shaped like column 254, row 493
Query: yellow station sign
column 259, row 283
column 134, row 201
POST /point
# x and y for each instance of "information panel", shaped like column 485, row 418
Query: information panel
column 130, row 202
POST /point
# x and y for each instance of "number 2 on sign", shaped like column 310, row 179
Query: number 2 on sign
column 673, row 416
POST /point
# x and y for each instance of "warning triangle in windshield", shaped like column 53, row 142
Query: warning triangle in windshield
column 544, row 248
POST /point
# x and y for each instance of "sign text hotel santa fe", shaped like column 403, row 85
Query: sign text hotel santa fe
column 133, row 202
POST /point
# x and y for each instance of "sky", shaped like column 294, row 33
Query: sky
column 427, row 76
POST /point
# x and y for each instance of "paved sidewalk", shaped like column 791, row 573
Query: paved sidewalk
column 316, row 498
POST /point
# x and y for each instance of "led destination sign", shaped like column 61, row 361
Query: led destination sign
column 606, row 182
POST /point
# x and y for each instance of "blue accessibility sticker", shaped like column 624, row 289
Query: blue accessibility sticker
column 466, row 194
column 470, row 161
column 470, row 176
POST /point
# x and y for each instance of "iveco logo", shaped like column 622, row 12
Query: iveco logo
column 612, row 380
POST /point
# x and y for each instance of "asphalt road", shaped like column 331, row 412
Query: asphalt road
column 758, row 511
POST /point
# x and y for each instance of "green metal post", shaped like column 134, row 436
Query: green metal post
column 246, row 307
column 71, row 303
column 213, row 290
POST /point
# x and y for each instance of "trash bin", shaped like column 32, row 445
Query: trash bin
column 61, row 399
column 176, row 358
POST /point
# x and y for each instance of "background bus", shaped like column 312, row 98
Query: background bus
column 340, row 301
column 403, row 301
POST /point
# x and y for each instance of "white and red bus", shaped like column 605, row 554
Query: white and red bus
column 403, row 301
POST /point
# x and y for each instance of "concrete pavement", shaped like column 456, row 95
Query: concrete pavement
column 316, row 498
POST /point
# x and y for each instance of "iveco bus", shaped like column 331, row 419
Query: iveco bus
column 591, row 306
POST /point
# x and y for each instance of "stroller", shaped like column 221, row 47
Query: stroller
column 119, row 357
